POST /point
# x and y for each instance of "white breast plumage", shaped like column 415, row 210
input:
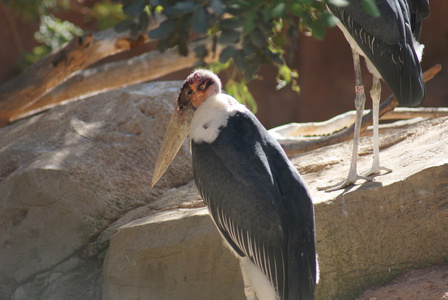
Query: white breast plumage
column 212, row 115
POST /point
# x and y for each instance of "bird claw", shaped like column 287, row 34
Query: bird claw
column 351, row 179
column 376, row 171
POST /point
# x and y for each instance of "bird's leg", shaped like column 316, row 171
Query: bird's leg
column 249, row 292
column 375, row 94
column 360, row 100
column 248, row 289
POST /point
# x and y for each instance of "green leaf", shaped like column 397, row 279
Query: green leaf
column 226, row 54
column 162, row 45
column 154, row 3
column 329, row 20
column 217, row 6
column 266, row 27
column 371, row 8
column 201, row 51
column 199, row 64
column 296, row 9
column 179, row 9
column 183, row 25
column 248, row 48
column 258, row 39
column 249, row 23
column 134, row 31
column 275, row 58
column 163, row 30
column 173, row 39
column 318, row 30
column 134, row 8
column 231, row 23
column 211, row 20
column 250, row 70
column 200, row 21
column 246, row 97
column 307, row 2
column 340, row 3
column 246, row 5
column 266, row 14
column 123, row 26
column 287, row 76
column 279, row 10
column 217, row 67
column 229, row 36
column 143, row 22
column 240, row 92
column 238, row 59
column 185, row 6
column 183, row 48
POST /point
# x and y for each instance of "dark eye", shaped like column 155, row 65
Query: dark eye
column 203, row 86
column 189, row 92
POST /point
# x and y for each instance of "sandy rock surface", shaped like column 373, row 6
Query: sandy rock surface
column 66, row 175
column 429, row 284
column 75, row 188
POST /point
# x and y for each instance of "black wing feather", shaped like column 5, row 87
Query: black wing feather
column 387, row 42
column 419, row 10
column 259, row 203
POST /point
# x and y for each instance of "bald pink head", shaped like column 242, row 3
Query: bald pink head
column 198, row 86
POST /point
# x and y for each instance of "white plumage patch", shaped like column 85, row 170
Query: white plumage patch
column 418, row 48
column 212, row 115
column 255, row 278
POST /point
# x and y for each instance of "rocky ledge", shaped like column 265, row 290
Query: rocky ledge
column 79, row 219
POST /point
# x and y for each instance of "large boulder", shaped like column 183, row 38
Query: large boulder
column 428, row 283
column 173, row 254
column 370, row 233
column 366, row 234
column 78, row 176
column 69, row 173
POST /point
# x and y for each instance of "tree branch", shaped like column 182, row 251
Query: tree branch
column 145, row 67
column 55, row 68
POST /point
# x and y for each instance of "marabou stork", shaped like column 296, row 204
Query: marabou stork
column 389, row 44
column 255, row 196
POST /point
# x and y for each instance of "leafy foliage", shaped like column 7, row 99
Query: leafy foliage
column 30, row 10
column 240, row 91
column 52, row 31
column 252, row 32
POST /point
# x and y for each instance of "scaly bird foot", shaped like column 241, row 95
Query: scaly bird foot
column 376, row 171
column 351, row 179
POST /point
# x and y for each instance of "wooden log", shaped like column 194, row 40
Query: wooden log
column 57, row 67
column 145, row 67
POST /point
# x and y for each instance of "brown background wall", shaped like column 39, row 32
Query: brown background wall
column 325, row 70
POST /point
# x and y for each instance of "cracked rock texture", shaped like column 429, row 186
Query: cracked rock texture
column 79, row 220
column 370, row 233
column 66, row 175
column 366, row 235
column 429, row 284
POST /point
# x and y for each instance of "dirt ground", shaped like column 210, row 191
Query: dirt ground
column 425, row 284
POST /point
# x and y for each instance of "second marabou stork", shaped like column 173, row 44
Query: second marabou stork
column 389, row 44
column 255, row 196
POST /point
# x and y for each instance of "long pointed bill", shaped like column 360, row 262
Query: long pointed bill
column 175, row 135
